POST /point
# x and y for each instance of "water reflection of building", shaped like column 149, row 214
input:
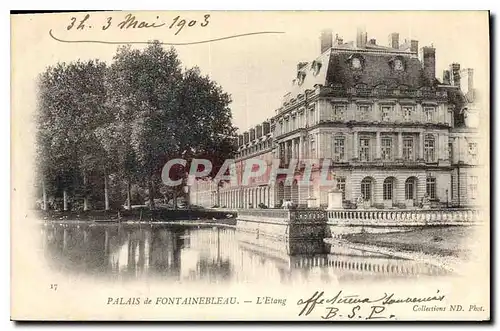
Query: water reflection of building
column 210, row 255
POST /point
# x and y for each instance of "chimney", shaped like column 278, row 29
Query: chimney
column 414, row 46
column 338, row 40
column 469, row 75
column 446, row 77
column 326, row 40
column 372, row 42
column 361, row 38
column 455, row 74
column 428, row 59
column 394, row 40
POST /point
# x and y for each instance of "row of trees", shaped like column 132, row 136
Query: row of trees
column 104, row 132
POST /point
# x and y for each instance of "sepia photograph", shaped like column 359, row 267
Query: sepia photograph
column 250, row 166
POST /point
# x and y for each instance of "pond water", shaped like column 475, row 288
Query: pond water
column 211, row 254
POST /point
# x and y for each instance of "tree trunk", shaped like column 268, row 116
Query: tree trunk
column 151, row 194
column 44, row 195
column 65, row 200
column 175, row 198
column 187, row 196
column 218, row 196
column 106, row 197
column 129, row 194
column 85, row 196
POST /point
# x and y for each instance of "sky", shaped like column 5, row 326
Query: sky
column 256, row 70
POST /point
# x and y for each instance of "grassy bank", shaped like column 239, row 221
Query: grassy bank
column 444, row 241
column 138, row 215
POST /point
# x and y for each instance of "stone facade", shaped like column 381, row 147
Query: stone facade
column 392, row 131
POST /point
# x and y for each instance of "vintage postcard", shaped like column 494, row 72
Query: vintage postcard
column 250, row 166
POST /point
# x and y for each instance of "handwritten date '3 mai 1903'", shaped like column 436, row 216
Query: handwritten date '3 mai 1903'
column 131, row 22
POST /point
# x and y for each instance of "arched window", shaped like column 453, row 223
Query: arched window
column 366, row 188
column 388, row 188
column 410, row 187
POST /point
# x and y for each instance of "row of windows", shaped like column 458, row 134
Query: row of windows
column 386, row 148
column 297, row 121
column 387, row 113
column 255, row 148
column 388, row 188
column 364, row 113
column 286, row 149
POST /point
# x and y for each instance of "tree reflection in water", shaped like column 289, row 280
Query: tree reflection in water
column 213, row 255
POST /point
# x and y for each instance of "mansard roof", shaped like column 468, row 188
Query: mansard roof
column 377, row 69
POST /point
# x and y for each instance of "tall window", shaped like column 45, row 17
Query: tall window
column 452, row 184
column 312, row 115
column 386, row 148
column 287, row 125
column 408, row 148
column 473, row 187
column 410, row 189
column 450, row 152
column 289, row 151
column 364, row 112
column 339, row 148
column 301, row 120
column 407, row 111
column 366, row 189
column 429, row 114
column 429, row 149
column 364, row 149
column 338, row 112
column 472, row 151
column 385, row 112
column 431, row 187
column 341, row 186
column 313, row 148
column 388, row 188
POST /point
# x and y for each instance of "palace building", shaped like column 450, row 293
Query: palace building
column 394, row 132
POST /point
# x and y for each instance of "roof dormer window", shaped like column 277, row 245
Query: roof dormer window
column 300, row 77
column 397, row 64
column 356, row 62
column 316, row 66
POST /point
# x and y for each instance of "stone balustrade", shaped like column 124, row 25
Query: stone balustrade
column 284, row 224
column 288, row 215
column 405, row 217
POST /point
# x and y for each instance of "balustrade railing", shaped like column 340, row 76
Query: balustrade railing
column 409, row 216
column 387, row 92
column 292, row 215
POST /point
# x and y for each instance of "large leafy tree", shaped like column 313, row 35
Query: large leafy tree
column 144, row 93
column 71, row 100
column 168, row 113
column 123, row 122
